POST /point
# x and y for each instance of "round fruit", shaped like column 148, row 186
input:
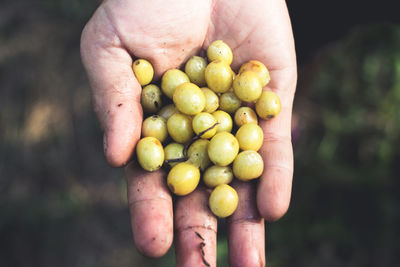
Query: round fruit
column 250, row 137
column 224, row 121
column 219, row 76
column 183, row 178
column 212, row 100
column 174, row 151
column 150, row 153
column 167, row 111
column 245, row 115
column 223, row 149
column 229, row 102
column 151, row 98
column 258, row 68
column 217, row 175
column 195, row 68
column 189, row 99
column 180, row 128
column 171, row 79
column 198, row 155
column 223, row 201
column 143, row 71
column 203, row 121
column 248, row 165
column 219, row 50
column 155, row 126
column 268, row 105
column 247, row 86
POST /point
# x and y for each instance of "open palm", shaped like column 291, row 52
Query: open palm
column 167, row 33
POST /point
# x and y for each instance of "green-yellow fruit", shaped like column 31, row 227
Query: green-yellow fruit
column 151, row 98
column 248, row 165
column 224, row 121
column 219, row 76
column 268, row 105
column 195, row 68
column 250, row 137
column 217, row 175
column 258, row 68
column 143, row 71
column 174, row 151
column 155, row 126
column 229, row 102
column 223, row 148
column 183, row 179
column 189, row 99
column 203, row 121
column 167, row 111
column 171, row 79
column 247, row 86
column 150, row 153
column 223, row 201
column 245, row 115
column 198, row 154
column 212, row 100
column 180, row 128
column 219, row 50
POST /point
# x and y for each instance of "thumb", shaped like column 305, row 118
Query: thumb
column 115, row 90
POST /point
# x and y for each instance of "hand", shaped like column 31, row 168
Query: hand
column 167, row 33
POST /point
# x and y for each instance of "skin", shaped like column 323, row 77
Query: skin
column 254, row 29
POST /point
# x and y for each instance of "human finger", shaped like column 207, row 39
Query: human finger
column 195, row 230
column 150, row 206
column 246, row 235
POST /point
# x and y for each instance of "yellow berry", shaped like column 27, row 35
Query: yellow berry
column 203, row 121
column 183, row 178
column 167, row 111
column 229, row 102
column 195, row 68
column 223, row 201
column 250, row 137
column 171, row 79
column 189, row 99
column 258, row 68
column 219, row 50
column 248, row 165
column 245, row 115
column 268, row 105
column 174, row 151
column 224, row 121
column 150, row 153
column 143, row 71
column 217, row 175
column 223, row 148
column 219, row 76
column 247, row 86
column 212, row 100
column 198, row 155
column 180, row 128
column 151, row 98
column 155, row 126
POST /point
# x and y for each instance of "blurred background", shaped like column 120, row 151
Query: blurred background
column 61, row 205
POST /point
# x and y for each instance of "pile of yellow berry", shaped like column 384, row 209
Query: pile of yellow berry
column 192, row 134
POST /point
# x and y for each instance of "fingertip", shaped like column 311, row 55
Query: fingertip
column 274, row 193
column 153, row 240
column 272, row 211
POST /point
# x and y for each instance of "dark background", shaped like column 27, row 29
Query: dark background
column 61, row 205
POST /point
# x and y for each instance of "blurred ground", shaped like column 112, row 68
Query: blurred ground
column 61, row 205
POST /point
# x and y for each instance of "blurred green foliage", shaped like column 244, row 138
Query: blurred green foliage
column 347, row 158
column 60, row 204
